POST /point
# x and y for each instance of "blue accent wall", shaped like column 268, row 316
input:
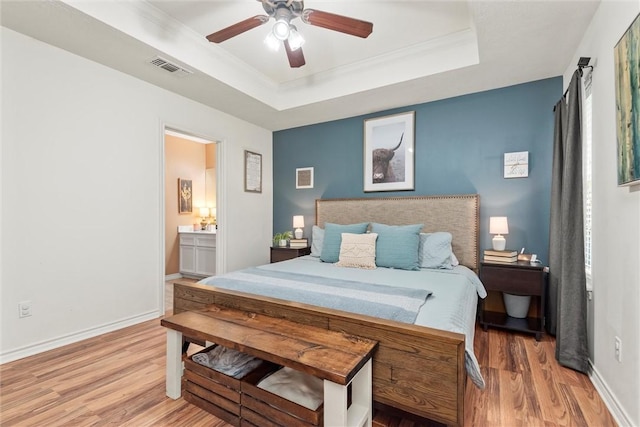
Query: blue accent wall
column 459, row 148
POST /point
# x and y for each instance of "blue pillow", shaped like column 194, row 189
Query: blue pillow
column 397, row 245
column 333, row 239
column 435, row 250
column 317, row 240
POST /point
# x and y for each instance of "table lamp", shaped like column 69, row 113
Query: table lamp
column 204, row 214
column 298, row 224
column 498, row 225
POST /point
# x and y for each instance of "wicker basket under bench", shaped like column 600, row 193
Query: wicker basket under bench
column 337, row 358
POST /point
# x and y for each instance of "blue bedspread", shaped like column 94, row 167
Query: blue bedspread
column 386, row 302
column 449, row 303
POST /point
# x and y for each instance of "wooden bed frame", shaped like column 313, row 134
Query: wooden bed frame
column 416, row 369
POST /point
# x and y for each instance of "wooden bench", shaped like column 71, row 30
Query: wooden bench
column 337, row 358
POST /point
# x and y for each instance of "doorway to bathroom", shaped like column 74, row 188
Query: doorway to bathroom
column 190, row 197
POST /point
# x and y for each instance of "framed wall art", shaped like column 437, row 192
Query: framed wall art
column 185, row 196
column 516, row 165
column 389, row 152
column 252, row 172
column 626, row 55
column 304, row 178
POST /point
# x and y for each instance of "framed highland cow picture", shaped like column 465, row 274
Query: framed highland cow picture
column 389, row 152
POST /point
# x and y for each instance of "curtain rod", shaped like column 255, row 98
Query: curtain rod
column 582, row 63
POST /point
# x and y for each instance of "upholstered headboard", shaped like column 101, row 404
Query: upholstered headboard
column 457, row 214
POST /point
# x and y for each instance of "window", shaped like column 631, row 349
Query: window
column 587, row 167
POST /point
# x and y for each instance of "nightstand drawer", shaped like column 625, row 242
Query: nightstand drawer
column 285, row 253
column 517, row 278
column 513, row 281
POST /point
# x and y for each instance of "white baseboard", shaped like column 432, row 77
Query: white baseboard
column 40, row 347
column 172, row 276
column 617, row 411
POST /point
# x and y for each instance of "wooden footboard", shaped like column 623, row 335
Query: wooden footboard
column 416, row 369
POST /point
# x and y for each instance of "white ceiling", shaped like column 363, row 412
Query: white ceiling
column 419, row 51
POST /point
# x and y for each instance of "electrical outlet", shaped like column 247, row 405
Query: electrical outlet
column 618, row 348
column 24, row 309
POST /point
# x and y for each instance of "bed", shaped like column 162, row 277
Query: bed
column 422, row 363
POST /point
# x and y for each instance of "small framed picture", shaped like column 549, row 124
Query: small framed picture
column 304, row 178
column 185, row 193
column 389, row 152
column 252, row 172
column 516, row 165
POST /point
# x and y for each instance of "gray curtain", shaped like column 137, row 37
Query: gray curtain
column 567, row 304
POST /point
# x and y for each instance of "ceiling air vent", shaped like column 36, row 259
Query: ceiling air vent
column 172, row 68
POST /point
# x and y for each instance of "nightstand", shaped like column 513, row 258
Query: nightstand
column 518, row 278
column 283, row 253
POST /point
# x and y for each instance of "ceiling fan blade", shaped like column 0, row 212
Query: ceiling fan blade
column 296, row 57
column 238, row 28
column 331, row 21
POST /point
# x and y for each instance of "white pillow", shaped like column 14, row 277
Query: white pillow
column 296, row 386
column 317, row 240
column 358, row 250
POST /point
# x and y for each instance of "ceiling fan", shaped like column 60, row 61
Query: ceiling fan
column 285, row 11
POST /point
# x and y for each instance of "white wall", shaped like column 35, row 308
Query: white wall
column 616, row 227
column 82, row 194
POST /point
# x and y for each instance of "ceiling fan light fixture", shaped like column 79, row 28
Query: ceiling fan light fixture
column 296, row 41
column 281, row 29
column 272, row 42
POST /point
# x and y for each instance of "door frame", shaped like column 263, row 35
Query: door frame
column 220, row 205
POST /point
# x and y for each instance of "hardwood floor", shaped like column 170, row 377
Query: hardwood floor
column 117, row 379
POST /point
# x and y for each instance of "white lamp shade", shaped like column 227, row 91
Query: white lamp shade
column 204, row 212
column 498, row 225
column 298, row 224
column 296, row 41
column 298, row 221
column 272, row 42
column 281, row 29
